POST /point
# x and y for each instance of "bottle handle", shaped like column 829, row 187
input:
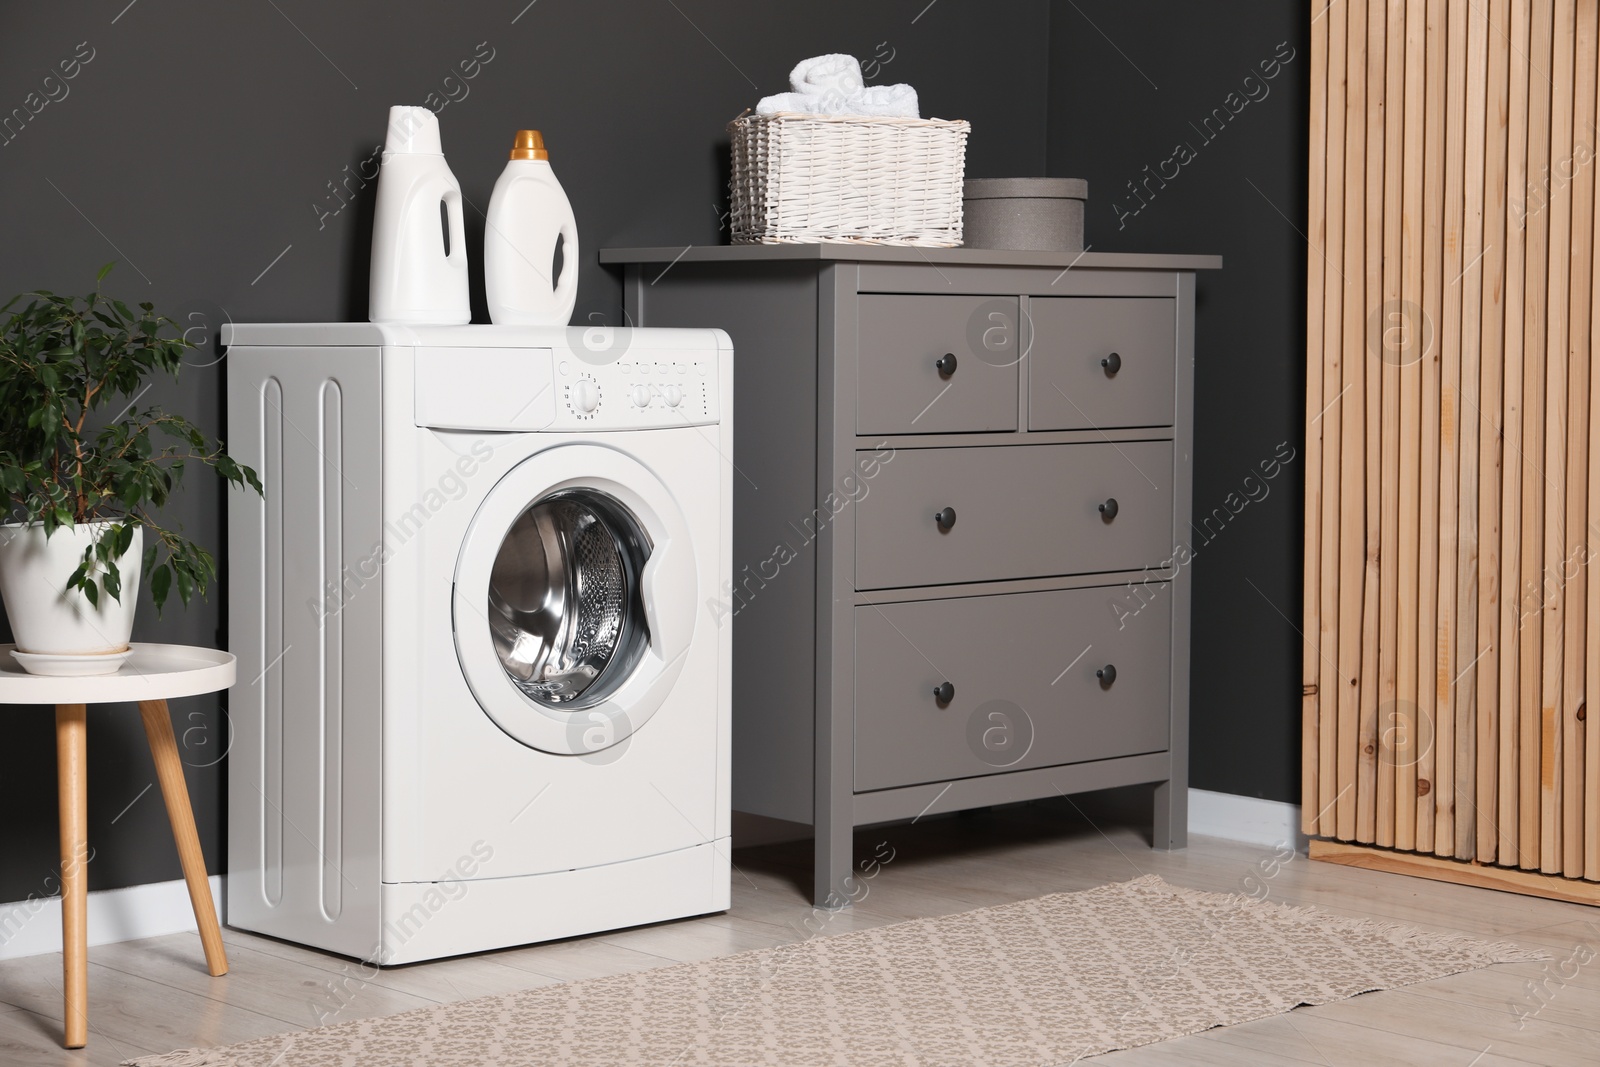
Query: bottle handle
column 458, row 229
column 566, row 291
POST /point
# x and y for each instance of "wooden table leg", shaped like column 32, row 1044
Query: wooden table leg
column 169, row 770
column 72, row 784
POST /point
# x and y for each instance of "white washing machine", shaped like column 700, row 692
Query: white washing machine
column 483, row 690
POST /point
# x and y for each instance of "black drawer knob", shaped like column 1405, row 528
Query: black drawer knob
column 1109, row 508
column 946, row 518
column 945, row 364
column 1112, row 363
column 1107, row 675
column 944, row 692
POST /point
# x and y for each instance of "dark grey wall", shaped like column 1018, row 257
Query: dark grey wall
column 1131, row 82
column 215, row 150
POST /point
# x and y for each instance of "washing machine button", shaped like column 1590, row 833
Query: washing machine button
column 641, row 396
column 585, row 395
column 672, row 395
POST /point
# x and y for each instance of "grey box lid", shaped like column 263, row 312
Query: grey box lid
column 1032, row 188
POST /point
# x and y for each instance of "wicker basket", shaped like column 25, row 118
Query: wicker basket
column 809, row 178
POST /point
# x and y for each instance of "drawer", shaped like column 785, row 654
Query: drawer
column 1069, row 387
column 900, row 388
column 1021, row 511
column 1024, row 688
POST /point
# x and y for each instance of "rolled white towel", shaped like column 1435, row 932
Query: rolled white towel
column 879, row 101
column 771, row 105
column 818, row 75
column 884, row 101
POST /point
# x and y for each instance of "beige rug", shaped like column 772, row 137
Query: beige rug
column 1038, row 982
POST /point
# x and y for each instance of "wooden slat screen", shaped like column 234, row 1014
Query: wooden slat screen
column 1452, row 629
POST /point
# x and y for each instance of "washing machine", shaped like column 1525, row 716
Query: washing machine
column 483, row 691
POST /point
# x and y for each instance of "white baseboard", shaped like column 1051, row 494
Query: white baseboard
column 1248, row 819
column 32, row 927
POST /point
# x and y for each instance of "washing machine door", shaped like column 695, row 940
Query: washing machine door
column 574, row 599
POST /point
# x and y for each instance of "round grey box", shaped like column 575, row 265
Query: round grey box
column 1042, row 214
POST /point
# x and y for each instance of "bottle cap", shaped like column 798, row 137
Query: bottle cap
column 529, row 145
column 412, row 131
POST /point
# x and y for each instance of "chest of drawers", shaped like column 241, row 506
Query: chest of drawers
column 960, row 479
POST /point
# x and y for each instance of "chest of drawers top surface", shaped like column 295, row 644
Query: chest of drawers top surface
column 850, row 252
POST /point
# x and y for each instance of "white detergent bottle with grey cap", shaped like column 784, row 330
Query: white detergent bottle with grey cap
column 419, row 249
column 528, row 213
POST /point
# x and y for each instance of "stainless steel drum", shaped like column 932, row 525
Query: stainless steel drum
column 564, row 607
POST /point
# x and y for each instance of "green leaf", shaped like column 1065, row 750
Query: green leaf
column 100, row 277
column 185, row 581
column 92, row 592
column 113, row 581
column 160, row 582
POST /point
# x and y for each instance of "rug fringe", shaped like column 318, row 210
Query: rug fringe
column 1399, row 933
column 185, row 1057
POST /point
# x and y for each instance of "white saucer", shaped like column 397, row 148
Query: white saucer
column 77, row 666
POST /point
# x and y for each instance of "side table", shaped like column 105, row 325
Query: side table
column 152, row 675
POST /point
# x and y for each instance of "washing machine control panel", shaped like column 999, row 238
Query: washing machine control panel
column 638, row 390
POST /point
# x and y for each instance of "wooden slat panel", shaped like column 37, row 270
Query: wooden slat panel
column 1372, row 455
column 1591, row 729
column 1403, row 726
column 1450, row 360
column 1317, row 235
column 1333, row 406
column 1493, row 271
column 1536, row 293
column 1433, row 282
column 1510, row 756
column 1396, row 339
column 1552, row 587
column 1452, row 504
column 1579, row 170
column 1352, row 445
column 1469, row 422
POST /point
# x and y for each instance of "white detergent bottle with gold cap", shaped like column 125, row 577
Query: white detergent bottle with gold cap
column 419, row 248
column 528, row 213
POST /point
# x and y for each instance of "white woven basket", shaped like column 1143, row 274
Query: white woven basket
column 808, row 178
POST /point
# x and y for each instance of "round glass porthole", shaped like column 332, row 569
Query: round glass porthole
column 564, row 605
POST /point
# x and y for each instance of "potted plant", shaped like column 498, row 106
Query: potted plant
column 85, row 471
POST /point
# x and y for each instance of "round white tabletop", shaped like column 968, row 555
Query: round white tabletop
column 153, row 672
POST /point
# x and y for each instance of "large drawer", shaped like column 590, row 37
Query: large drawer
column 1101, row 362
column 1024, row 685
column 901, row 388
column 1021, row 511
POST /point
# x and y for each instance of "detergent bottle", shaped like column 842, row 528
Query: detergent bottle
column 419, row 248
column 527, row 213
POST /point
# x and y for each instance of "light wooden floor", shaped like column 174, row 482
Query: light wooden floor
column 154, row 995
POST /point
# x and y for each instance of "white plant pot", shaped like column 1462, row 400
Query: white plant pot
column 58, row 624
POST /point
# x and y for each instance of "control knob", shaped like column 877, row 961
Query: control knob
column 585, row 395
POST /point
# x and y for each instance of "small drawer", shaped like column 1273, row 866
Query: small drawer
column 1020, row 511
column 1035, row 680
column 937, row 364
column 1101, row 362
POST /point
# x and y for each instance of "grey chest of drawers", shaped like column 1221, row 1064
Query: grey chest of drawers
column 960, row 475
